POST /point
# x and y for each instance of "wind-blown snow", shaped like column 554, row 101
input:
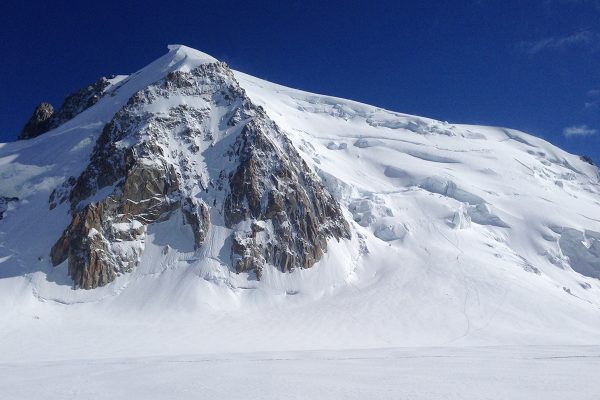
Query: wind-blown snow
column 462, row 235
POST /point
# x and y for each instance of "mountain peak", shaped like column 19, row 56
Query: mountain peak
column 192, row 148
column 188, row 57
column 188, row 186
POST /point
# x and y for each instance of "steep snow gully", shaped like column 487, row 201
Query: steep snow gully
column 210, row 211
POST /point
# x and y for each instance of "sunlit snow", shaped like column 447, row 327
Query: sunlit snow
column 461, row 236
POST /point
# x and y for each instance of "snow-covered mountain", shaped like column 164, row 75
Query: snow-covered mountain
column 201, row 208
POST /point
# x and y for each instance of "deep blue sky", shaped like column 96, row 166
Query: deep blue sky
column 530, row 65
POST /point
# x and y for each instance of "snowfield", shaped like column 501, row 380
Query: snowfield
column 473, row 270
column 516, row 373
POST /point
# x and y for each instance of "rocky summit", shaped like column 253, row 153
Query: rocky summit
column 210, row 155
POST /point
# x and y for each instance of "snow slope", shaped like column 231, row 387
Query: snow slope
column 549, row 373
column 461, row 235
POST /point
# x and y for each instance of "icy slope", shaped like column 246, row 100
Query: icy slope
column 460, row 234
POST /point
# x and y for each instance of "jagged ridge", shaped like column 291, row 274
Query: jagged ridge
column 155, row 163
column 44, row 118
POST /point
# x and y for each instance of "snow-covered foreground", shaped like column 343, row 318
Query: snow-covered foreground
column 417, row 374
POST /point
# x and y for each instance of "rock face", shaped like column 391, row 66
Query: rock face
column 291, row 212
column 587, row 159
column 193, row 146
column 5, row 203
column 80, row 101
column 44, row 118
column 40, row 122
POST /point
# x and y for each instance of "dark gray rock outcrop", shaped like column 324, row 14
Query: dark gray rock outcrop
column 587, row 159
column 45, row 118
column 4, row 203
column 292, row 213
column 40, row 122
